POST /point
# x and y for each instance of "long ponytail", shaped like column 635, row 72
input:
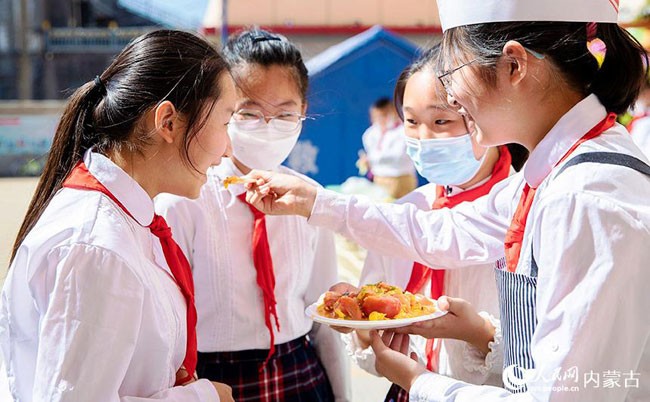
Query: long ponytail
column 105, row 114
column 70, row 142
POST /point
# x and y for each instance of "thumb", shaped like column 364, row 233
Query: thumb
column 443, row 303
column 376, row 342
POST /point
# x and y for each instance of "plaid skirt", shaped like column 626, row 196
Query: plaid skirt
column 397, row 394
column 293, row 374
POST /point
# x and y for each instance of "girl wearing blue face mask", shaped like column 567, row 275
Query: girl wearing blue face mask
column 255, row 274
column 458, row 170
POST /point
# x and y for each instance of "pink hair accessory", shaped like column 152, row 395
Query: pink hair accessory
column 595, row 45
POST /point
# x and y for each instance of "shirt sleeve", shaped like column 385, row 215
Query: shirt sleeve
column 600, row 251
column 327, row 342
column 83, row 354
column 468, row 234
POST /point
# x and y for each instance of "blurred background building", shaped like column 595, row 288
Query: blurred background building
column 50, row 47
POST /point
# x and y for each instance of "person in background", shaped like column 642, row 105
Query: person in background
column 254, row 274
column 458, row 170
column 98, row 304
column 385, row 151
column 639, row 126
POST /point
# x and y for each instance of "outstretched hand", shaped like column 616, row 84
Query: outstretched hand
column 392, row 359
column 279, row 194
column 461, row 322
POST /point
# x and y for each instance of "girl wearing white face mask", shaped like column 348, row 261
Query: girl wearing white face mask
column 254, row 274
column 458, row 170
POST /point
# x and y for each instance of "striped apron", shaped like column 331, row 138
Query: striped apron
column 517, row 292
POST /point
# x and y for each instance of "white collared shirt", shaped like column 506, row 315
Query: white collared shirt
column 590, row 229
column 386, row 152
column 215, row 231
column 90, row 310
column 641, row 134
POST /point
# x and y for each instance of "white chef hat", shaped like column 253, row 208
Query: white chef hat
column 454, row 13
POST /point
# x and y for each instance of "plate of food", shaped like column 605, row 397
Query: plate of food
column 374, row 306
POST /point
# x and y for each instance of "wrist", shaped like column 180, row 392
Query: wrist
column 483, row 337
column 309, row 199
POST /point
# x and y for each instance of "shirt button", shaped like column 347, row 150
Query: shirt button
column 64, row 386
column 555, row 348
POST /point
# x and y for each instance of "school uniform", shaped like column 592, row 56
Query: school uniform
column 576, row 295
column 475, row 284
column 91, row 310
column 391, row 167
column 234, row 340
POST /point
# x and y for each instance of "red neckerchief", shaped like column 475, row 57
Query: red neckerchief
column 515, row 234
column 421, row 273
column 80, row 178
column 265, row 273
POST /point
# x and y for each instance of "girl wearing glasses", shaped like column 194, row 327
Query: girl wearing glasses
column 458, row 170
column 568, row 235
column 256, row 274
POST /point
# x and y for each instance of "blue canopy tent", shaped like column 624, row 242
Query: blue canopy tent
column 344, row 81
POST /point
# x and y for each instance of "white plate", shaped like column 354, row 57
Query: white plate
column 312, row 312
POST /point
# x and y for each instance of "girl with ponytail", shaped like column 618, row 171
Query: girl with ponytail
column 98, row 304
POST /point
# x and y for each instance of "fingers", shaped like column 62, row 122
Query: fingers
column 343, row 287
column 376, row 342
column 343, row 330
column 443, row 303
column 404, row 344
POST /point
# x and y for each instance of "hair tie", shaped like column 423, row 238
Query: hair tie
column 263, row 37
column 100, row 84
column 595, row 45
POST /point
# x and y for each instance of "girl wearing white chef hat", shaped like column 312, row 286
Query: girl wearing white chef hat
column 575, row 222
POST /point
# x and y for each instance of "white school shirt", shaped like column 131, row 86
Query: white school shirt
column 215, row 231
column 476, row 284
column 591, row 229
column 90, row 310
column 386, row 152
column 641, row 134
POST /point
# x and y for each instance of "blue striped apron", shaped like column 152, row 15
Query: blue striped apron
column 517, row 292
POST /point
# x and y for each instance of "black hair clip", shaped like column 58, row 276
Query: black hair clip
column 100, row 84
column 263, row 37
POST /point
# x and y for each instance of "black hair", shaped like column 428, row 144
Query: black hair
column 381, row 103
column 106, row 112
column 430, row 58
column 616, row 83
column 265, row 48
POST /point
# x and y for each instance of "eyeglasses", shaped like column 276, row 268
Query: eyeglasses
column 283, row 121
column 446, row 79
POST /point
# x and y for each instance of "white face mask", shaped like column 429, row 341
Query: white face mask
column 444, row 160
column 262, row 147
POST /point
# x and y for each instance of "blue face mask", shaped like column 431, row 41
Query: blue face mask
column 444, row 161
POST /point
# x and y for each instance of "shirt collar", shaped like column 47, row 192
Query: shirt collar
column 122, row 186
column 567, row 131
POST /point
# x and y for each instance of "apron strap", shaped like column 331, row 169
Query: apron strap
column 608, row 158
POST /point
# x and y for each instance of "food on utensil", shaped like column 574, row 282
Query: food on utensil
column 233, row 180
